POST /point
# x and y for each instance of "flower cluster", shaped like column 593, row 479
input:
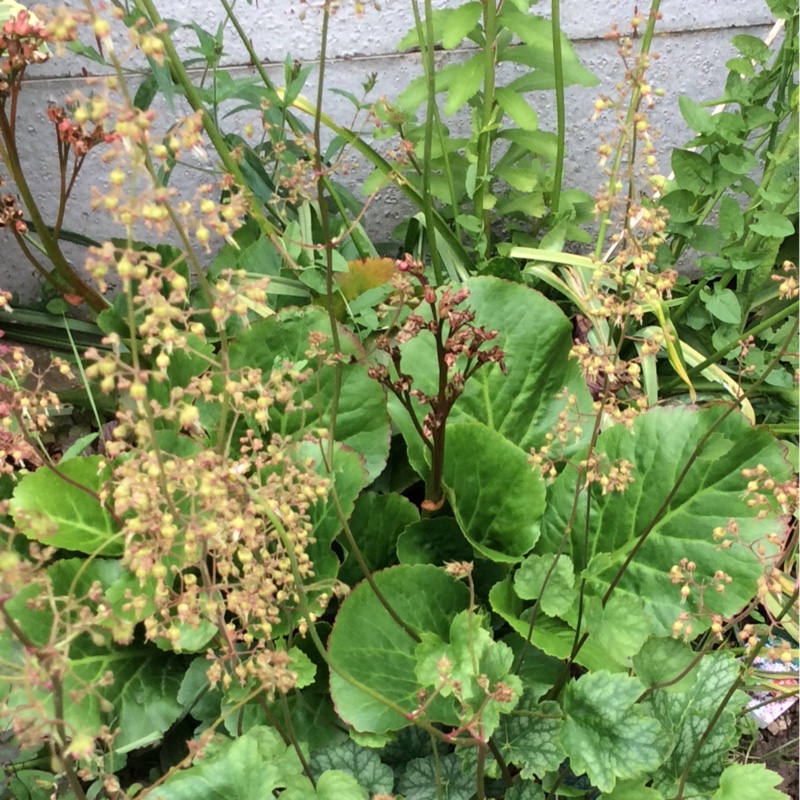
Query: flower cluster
column 137, row 195
column 22, row 42
column 610, row 476
column 567, row 432
column 459, row 345
column 26, row 407
column 762, row 486
column 685, row 575
column 624, row 285
column 788, row 288
column 11, row 215
column 73, row 135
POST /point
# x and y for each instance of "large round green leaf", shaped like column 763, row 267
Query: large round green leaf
column 522, row 405
column 536, row 337
column 498, row 499
column 361, row 420
column 369, row 646
column 433, row 540
column 56, row 511
column 712, row 493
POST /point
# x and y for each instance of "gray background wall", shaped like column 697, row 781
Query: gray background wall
column 692, row 40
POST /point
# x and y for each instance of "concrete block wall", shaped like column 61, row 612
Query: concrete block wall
column 692, row 40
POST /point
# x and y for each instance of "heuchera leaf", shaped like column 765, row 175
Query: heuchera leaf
column 335, row 785
column 419, row 780
column 248, row 768
column 559, row 593
column 748, row 782
column 550, row 634
column 605, row 734
column 685, row 717
column 661, row 660
column 620, row 627
column 528, row 737
column 360, row 762
column 140, row 704
column 470, row 645
column 525, row 790
column 633, row 790
column 370, row 647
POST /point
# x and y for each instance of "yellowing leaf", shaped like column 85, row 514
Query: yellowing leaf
column 364, row 274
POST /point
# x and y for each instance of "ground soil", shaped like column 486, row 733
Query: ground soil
column 779, row 751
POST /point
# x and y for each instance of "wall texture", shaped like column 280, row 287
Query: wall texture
column 692, row 40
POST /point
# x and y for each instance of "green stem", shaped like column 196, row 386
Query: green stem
column 633, row 108
column 662, row 510
column 290, row 120
column 329, row 296
column 427, row 43
column 325, row 223
column 480, row 772
column 562, row 543
column 180, row 74
column 10, row 157
column 689, row 300
column 362, row 562
column 310, row 618
column 485, row 135
column 59, row 743
column 379, row 162
column 558, row 73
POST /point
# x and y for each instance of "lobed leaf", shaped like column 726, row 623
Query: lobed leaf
column 528, row 737
column 248, row 768
column 605, row 735
column 362, row 763
column 685, row 717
